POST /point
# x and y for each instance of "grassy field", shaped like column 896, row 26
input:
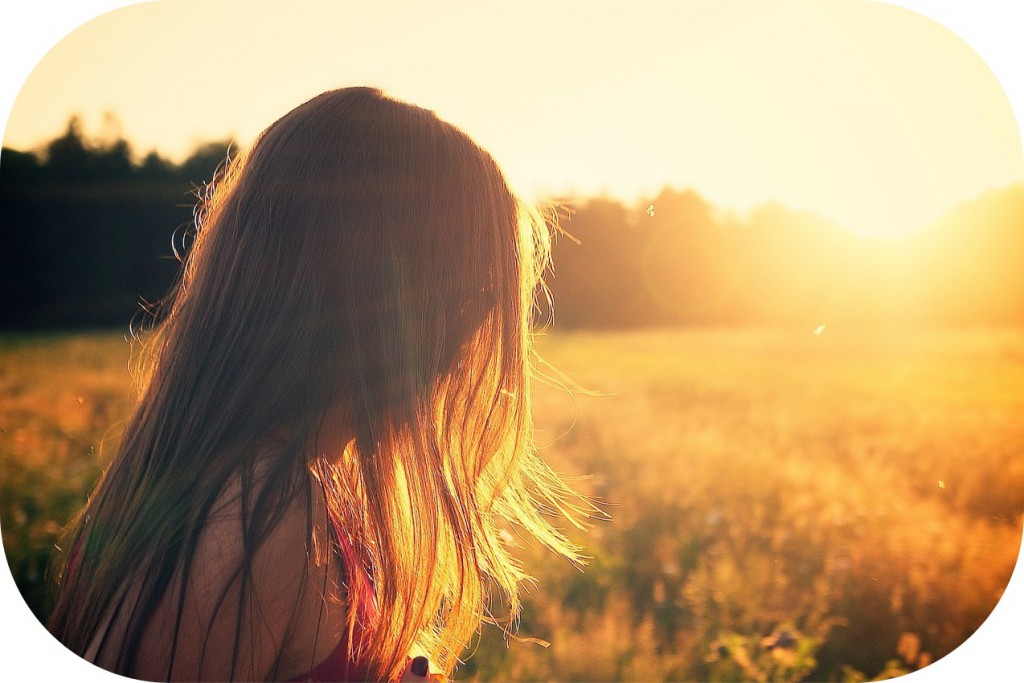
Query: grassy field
column 784, row 505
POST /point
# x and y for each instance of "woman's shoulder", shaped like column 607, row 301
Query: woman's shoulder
column 253, row 604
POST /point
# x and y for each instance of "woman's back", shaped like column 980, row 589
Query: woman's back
column 298, row 617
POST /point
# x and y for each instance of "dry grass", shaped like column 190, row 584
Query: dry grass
column 62, row 401
column 784, row 505
column 859, row 492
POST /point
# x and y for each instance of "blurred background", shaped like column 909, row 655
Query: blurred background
column 791, row 271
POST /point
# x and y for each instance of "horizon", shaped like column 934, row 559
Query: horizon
column 985, row 29
column 104, row 140
column 743, row 102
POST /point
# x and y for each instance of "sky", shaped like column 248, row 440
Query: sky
column 872, row 115
column 552, row 94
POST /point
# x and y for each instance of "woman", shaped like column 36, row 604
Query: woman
column 335, row 429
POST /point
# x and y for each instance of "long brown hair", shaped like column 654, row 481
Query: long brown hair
column 363, row 252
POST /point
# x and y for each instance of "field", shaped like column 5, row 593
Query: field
column 783, row 505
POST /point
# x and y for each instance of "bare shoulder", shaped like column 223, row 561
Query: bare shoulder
column 247, row 606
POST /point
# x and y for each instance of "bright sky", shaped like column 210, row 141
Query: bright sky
column 869, row 114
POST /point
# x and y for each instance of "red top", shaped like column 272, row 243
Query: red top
column 340, row 666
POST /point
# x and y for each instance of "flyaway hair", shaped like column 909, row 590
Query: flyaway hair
column 362, row 253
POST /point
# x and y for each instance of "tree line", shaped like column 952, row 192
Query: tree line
column 91, row 233
column 677, row 259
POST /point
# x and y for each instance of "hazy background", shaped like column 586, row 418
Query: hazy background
column 753, row 149
column 871, row 115
column 811, row 181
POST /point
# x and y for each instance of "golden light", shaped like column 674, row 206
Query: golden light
column 871, row 115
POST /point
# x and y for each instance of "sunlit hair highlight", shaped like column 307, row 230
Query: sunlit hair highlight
column 363, row 253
